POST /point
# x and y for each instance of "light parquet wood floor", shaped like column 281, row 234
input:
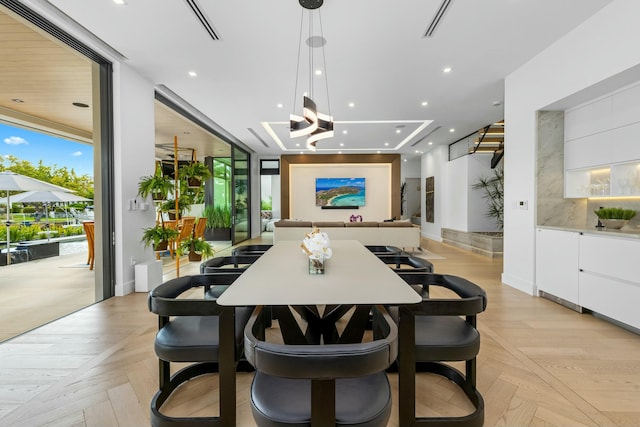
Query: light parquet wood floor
column 540, row 364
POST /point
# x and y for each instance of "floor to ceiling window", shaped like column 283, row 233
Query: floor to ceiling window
column 60, row 90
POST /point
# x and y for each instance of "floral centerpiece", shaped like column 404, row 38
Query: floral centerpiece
column 316, row 246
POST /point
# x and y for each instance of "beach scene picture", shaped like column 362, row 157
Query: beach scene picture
column 340, row 192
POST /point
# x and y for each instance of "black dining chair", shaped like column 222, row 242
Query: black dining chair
column 403, row 262
column 225, row 264
column 435, row 331
column 321, row 385
column 202, row 333
column 257, row 249
column 384, row 250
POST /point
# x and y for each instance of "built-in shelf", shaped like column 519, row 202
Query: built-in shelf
column 616, row 180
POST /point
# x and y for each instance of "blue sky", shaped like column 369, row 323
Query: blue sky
column 33, row 146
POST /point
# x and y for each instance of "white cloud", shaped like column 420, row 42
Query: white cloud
column 76, row 153
column 15, row 140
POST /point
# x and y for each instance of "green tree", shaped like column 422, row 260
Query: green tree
column 82, row 185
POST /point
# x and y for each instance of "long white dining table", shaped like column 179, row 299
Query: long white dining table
column 353, row 275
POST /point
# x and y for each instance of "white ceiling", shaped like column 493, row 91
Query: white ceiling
column 376, row 57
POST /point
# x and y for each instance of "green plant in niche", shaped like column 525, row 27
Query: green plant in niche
column 615, row 213
column 493, row 188
column 218, row 216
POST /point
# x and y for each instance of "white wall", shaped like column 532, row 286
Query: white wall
column 434, row 164
column 455, row 206
column 302, row 183
column 479, row 165
column 134, row 157
column 601, row 48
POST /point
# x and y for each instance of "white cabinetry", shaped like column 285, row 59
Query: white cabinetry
column 601, row 152
column 557, row 263
column 610, row 277
column 617, row 180
column 596, row 272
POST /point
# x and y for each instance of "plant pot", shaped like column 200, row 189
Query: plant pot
column 614, row 224
column 162, row 246
column 194, row 183
column 217, row 234
column 194, row 256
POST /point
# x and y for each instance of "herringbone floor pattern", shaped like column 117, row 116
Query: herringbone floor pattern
column 540, row 365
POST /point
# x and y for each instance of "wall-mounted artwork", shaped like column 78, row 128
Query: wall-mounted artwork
column 340, row 192
column 429, row 205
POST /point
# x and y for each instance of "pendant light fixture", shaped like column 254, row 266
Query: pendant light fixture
column 314, row 125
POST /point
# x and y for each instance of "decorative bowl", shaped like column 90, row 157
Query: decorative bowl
column 614, row 224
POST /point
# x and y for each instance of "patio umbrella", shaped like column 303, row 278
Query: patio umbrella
column 50, row 196
column 11, row 181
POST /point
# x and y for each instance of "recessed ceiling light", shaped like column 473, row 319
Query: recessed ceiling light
column 398, row 131
column 279, row 105
column 405, row 160
column 193, row 74
column 424, row 104
column 80, row 104
column 378, row 151
column 298, row 145
column 351, row 104
column 386, row 144
column 344, row 132
column 430, row 142
column 17, row 100
column 342, row 144
column 339, row 152
column 417, row 151
column 318, row 72
column 119, row 2
column 446, row 70
column 452, row 130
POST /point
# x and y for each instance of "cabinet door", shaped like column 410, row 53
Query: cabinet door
column 557, row 263
column 610, row 256
column 616, row 299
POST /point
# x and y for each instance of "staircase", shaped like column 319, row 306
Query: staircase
column 490, row 139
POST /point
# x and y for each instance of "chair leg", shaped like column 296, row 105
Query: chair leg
column 466, row 384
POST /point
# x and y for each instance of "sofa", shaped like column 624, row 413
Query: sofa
column 402, row 234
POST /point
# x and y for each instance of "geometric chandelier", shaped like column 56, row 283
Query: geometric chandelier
column 314, row 125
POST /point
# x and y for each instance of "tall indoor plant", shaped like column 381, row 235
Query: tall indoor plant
column 218, row 223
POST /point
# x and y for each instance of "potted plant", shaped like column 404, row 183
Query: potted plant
column 194, row 173
column 614, row 218
column 218, row 223
column 196, row 249
column 158, row 237
column 169, row 205
column 157, row 185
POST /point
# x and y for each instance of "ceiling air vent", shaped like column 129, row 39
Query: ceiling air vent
column 203, row 19
column 437, row 17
